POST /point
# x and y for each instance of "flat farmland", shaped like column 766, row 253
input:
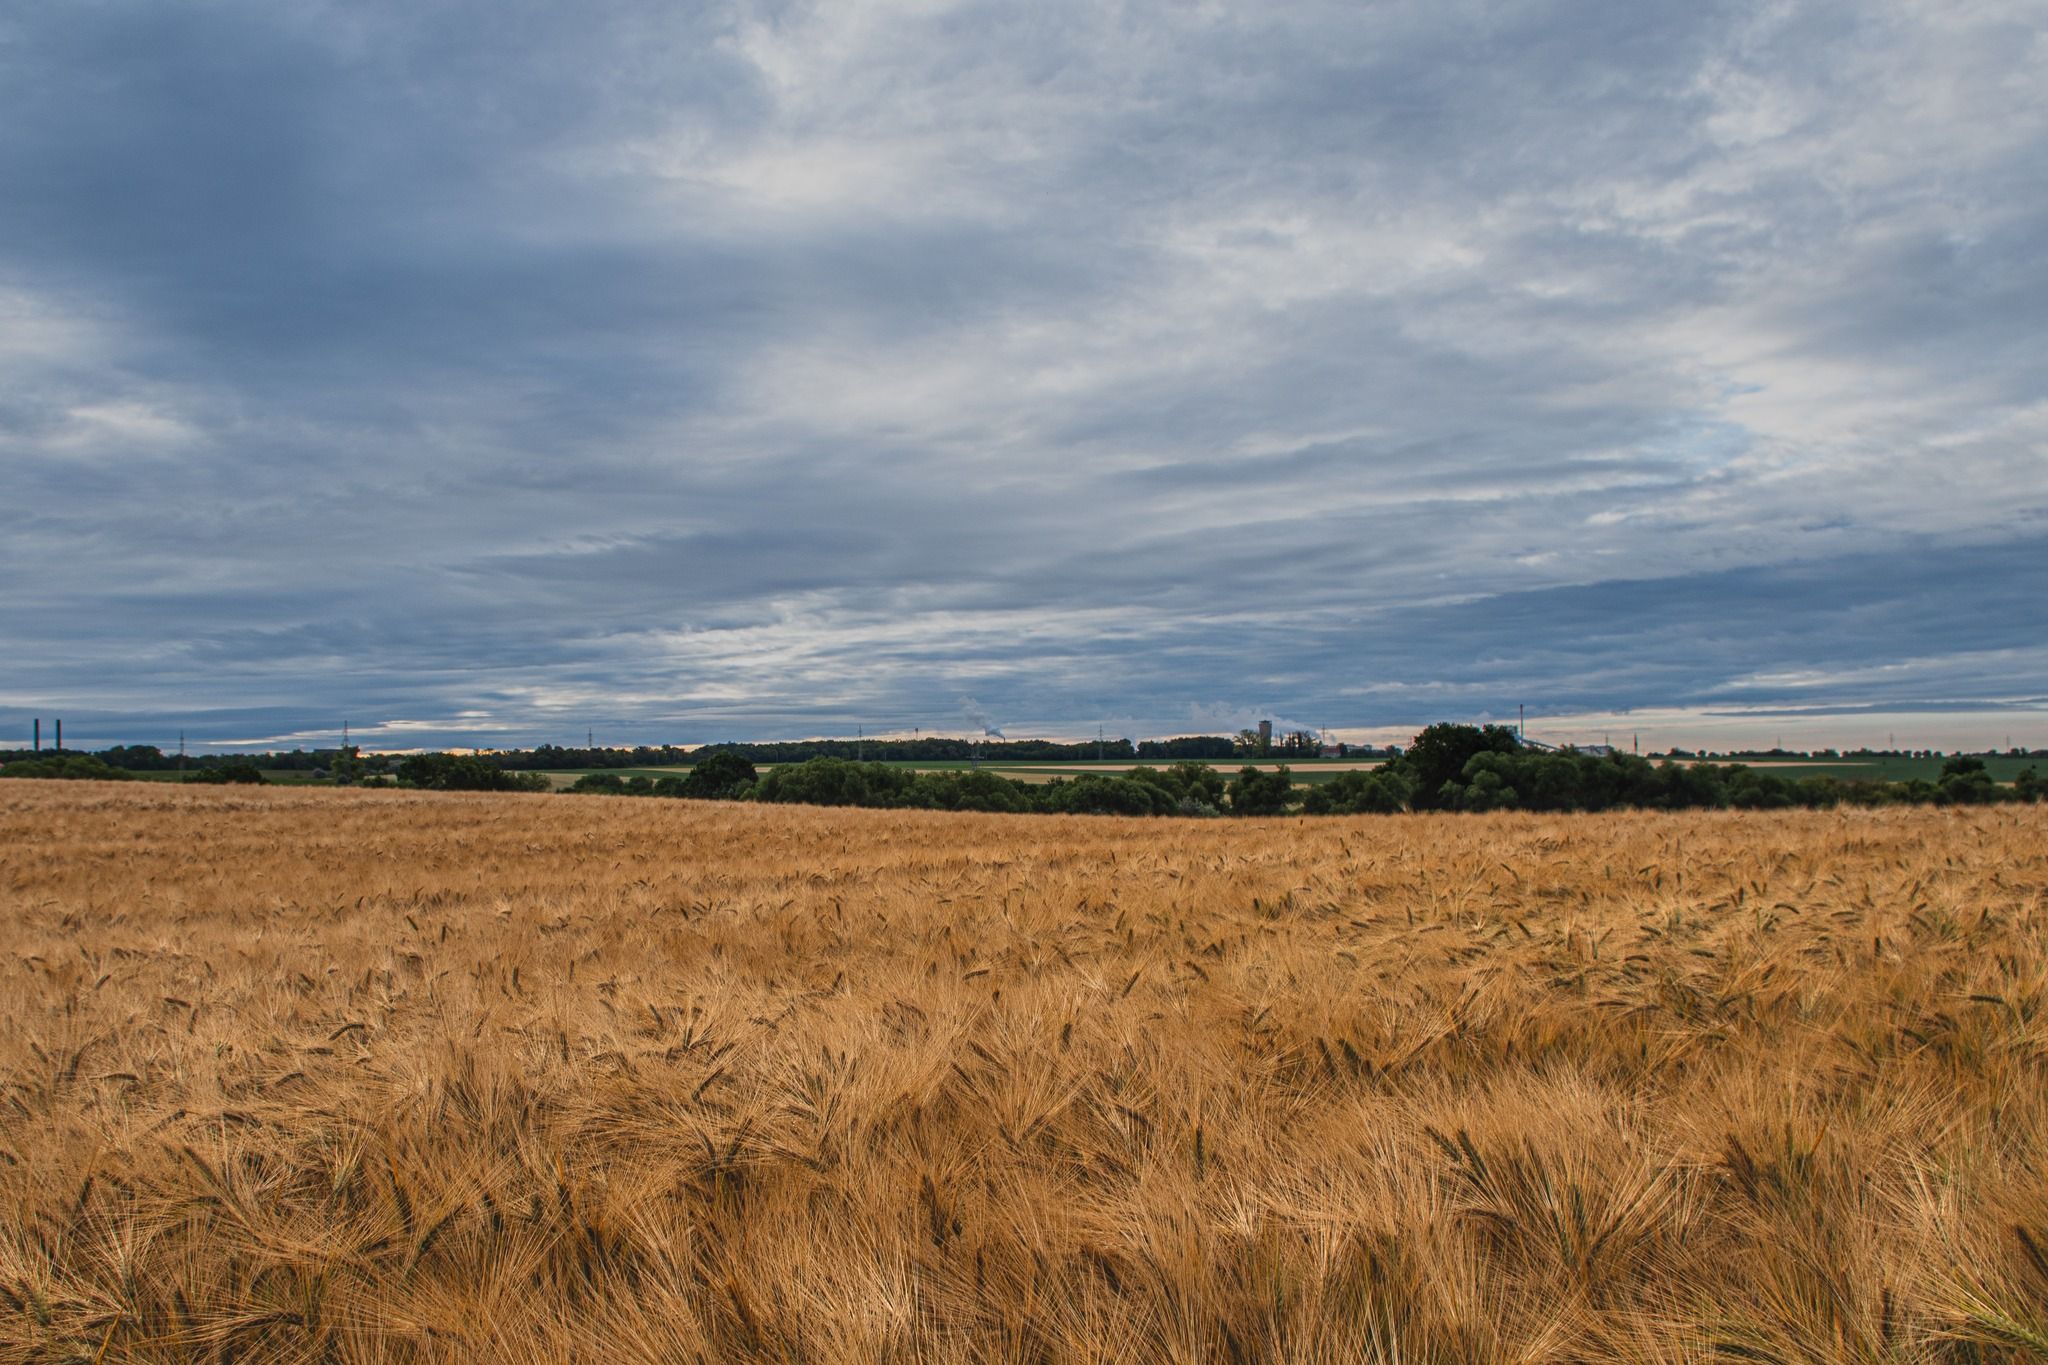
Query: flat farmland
column 1306, row 773
column 310, row 1075
column 2002, row 767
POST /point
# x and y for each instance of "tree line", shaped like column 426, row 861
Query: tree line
column 149, row 758
column 1448, row 767
column 924, row 749
column 95, row 768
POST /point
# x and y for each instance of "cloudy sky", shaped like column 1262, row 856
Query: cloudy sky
column 485, row 373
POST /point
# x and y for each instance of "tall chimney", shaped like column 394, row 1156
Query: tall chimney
column 39, row 734
column 60, row 734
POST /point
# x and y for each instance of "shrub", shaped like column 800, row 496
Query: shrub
column 1488, row 791
column 835, row 782
column 719, row 777
column 1970, row 786
column 1097, row 795
column 1184, row 782
column 1435, row 762
column 1254, row 792
column 239, row 772
column 465, row 773
column 971, row 791
column 66, row 767
column 1380, row 792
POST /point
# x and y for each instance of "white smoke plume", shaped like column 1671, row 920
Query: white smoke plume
column 979, row 717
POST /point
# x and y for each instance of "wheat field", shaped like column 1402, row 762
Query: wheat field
column 333, row 1076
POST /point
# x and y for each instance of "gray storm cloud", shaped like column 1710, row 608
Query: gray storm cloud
column 487, row 376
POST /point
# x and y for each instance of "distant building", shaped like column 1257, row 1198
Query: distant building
column 1265, row 736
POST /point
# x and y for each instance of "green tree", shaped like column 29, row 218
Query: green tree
column 136, row 758
column 347, row 768
column 719, row 777
column 975, row 791
column 465, row 773
column 239, row 771
column 1435, row 761
column 835, row 782
column 1486, row 791
column 1101, row 795
column 1965, row 782
column 1380, row 792
column 66, row 767
column 1255, row 792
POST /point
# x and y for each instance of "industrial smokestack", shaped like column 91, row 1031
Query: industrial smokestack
column 60, row 736
column 39, row 734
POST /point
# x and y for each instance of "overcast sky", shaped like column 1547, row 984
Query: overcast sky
column 490, row 373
